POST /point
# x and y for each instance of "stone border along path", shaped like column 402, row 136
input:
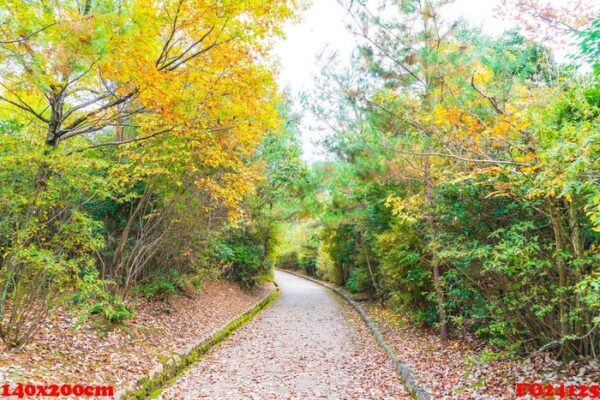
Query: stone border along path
column 308, row 345
column 408, row 376
column 151, row 385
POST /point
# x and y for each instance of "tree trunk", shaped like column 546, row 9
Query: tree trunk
column 427, row 15
column 371, row 274
column 437, row 284
column 562, row 278
column 576, row 236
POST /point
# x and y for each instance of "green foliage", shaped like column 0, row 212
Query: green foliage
column 114, row 312
column 308, row 264
column 465, row 181
column 341, row 247
column 359, row 281
column 110, row 176
column 243, row 258
column 47, row 243
column 590, row 44
column 326, row 268
column 289, row 261
column 404, row 276
column 162, row 286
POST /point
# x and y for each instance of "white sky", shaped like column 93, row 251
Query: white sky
column 323, row 25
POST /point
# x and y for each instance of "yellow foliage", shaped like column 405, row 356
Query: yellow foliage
column 482, row 74
column 191, row 75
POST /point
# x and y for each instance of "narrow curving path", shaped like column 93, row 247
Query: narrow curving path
column 307, row 346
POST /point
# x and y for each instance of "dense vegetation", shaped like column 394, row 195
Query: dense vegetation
column 138, row 143
column 144, row 146
column 465, row 186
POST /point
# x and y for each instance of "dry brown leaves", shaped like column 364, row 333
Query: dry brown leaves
column 65, row 353
column 457, row 369
column 304, row 347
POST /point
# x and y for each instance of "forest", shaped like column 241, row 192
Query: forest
column 133, row 143
column 146, row 149
column 463, row 187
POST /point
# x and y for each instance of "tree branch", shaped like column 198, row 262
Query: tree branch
column 491, row 99
column 25, row 107
column 139, row 139
column 26, row 37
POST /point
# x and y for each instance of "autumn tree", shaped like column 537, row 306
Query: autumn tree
column 129, row 106
column 408, row 52
column 466, row 139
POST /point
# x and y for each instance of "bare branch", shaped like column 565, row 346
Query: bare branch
column 28, row 36
column 138, row 139
column 84, row 105
column 167, row 45
column 93, row 113
column 491, row 99
column 456, row 157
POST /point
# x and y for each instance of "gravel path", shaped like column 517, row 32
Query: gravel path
column 307, row 346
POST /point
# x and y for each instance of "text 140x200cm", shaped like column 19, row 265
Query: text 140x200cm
column 30, row 390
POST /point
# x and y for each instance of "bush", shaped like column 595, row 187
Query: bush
column 326, row 268
column 112, row 310
column 243, row 259
column 289, row 261
column 405, row 277
column 342, row 249
column 359, row 281
column 161, row 287
column 308, row 265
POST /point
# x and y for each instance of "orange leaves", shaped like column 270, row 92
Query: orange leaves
column 457, row 118
column 458, row 124
column 506, row 126
column 199, row 75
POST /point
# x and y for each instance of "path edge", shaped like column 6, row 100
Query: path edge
column 406, row 374
column 150, row 385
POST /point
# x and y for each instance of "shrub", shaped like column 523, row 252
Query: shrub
column 326, row 268
column 114, row 311
column 162, row 286
column 308, row 265
column 289, row 261
column 359, row 280
column 405, row 277
column 244, row 260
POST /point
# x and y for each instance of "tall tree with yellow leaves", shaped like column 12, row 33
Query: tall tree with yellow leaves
column 102, row 97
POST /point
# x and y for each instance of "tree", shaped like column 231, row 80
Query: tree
column 557, row 25
column 462, row 131
column 114, row 113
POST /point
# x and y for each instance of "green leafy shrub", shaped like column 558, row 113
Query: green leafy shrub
column 341, row 246
column 308, row 265
column 197, row 282
column 161, row 287
column 111, row 309
column 289, row 261
column 404, row 276
column 359, row 281
column 243, row 258
column 326, row 268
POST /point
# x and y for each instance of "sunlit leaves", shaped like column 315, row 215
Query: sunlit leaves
column 105, row 101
